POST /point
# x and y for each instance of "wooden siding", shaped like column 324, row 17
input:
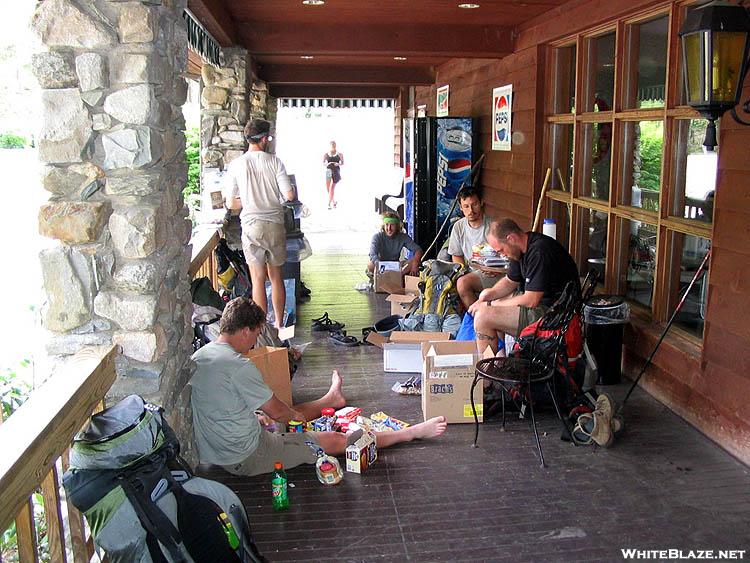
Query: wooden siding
column 708, row 384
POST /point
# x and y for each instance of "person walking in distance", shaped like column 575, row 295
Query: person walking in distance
column 333, row 161
column 257, row 183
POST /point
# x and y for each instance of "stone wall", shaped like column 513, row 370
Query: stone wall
column 230, row 96
column 114, row 151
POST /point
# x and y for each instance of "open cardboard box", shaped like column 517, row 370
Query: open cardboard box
column 273, row 365
column 448, row 372
column 405, row 300
column 402, row 352
column 388, row 278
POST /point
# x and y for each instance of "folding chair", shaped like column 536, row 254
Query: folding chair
column 543, row 363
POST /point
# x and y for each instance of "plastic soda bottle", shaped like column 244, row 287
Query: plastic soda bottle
column 279, row 494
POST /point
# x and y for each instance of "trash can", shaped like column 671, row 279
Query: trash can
column 605, row 317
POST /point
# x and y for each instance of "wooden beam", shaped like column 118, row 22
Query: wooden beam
column 281, row 38
column 38, row 432
column 336, row 74
column 331, row 91
column 215, row 18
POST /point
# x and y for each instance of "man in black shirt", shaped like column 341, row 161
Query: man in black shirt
column 539, row 270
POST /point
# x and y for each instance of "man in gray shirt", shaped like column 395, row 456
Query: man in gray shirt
column 227, row 389
column 469, row 233
column 386, row 245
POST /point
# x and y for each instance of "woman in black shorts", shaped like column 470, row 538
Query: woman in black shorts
column 333, row 161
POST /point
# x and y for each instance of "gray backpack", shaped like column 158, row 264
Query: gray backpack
column 140, row 500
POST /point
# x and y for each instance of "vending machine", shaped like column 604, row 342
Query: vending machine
column 438, row 155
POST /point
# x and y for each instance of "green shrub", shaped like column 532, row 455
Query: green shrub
column 192, row 153
column 11, row 141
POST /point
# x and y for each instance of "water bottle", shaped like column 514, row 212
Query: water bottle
column 279, row 494
column 549, row 228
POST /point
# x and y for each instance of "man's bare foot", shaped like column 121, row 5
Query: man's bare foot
column 335, row 396
column 430, row 428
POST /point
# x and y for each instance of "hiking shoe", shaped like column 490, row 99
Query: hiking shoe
column 582, row 430
column 606, row 405
column 602, row 432
column 618, row 423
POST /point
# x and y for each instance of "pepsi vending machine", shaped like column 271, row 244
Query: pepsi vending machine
column 438, row 154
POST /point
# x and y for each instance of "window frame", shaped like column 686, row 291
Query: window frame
column 666, row 224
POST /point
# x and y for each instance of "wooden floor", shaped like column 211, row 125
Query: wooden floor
column 662, row 485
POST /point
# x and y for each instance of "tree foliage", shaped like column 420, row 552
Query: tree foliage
column 192, row 153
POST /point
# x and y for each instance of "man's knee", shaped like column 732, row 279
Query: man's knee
column 466, row 283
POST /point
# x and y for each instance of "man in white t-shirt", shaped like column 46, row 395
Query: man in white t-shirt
column 258, row 183
column 468, row 233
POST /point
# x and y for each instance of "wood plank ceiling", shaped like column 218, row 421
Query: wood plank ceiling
column 356, row 48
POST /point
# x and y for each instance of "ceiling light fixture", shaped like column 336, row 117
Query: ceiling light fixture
column 399, row 58
column 306, row 57
column 468, row 6
column 313, row 2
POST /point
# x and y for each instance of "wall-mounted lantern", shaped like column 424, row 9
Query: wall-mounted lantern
column 714, row 56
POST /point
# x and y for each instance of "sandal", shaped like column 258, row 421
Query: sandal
column 341, row 339
column 366, row 332
column 324, row 323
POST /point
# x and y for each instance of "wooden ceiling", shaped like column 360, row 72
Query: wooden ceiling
column 353, row 42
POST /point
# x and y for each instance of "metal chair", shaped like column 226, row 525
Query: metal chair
column 538, row 364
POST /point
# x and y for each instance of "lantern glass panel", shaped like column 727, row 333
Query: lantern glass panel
column 728, row 50
column 695, row 63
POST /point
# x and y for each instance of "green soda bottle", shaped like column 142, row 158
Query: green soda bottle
column 279, row 494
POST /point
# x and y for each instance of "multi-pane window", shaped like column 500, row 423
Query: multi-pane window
column 632, row 186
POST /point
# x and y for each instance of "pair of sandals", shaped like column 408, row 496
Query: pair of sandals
column 326, row 324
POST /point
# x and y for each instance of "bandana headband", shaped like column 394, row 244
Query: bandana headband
column 390, row 221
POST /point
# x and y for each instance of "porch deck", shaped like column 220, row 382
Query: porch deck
column 662, row 485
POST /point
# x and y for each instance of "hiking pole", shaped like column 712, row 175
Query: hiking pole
column 698, row 273
column 471, row 174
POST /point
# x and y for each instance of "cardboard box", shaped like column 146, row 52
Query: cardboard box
column 446, row 381
column 361, row 454
column 273, row 364
column 406, row 301
column 388, row 278
column 402, row 352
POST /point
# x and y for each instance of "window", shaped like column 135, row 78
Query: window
column 631, row 180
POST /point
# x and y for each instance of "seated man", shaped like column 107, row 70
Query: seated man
column 540, row 268
column 467, row 233
column 228, row 389
column 386, row 245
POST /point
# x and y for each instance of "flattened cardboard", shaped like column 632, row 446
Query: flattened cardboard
column 447, row 376
column 273, row 364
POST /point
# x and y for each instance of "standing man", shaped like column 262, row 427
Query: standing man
column 257, row 183
column 540, row 268
column 468, row 232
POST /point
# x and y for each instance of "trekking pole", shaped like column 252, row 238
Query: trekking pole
column 471, row 174
column 698, row 273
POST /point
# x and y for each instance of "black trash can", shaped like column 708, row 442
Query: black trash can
column 605, row 317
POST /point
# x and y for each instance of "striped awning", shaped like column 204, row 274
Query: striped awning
column 336, row 102
column 201, row 41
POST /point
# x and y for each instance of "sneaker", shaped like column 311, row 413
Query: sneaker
column 605, row 404
column 602, row 432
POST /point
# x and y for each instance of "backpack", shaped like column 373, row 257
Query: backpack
column 140, row 500
column 438, row 302
column 232, row 270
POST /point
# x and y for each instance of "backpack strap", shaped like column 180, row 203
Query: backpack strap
column 152, row 518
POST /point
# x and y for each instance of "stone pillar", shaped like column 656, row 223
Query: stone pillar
column 224, row 110
column 113, row 145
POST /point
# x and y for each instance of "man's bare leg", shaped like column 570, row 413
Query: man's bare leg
column 334, row 398
column 492, row 323
column 334, row 443
column 469, row 287
column 278, row 294
column 258, row 277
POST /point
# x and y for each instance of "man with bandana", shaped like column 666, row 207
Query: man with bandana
column 386, row 246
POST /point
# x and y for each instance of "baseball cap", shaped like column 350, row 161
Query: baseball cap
column 256, row 129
